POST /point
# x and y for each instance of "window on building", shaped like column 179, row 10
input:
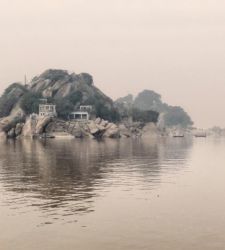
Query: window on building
column 77, row 116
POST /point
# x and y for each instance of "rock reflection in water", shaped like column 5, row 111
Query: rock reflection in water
column 63, row 178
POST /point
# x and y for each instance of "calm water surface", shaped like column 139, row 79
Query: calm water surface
column 114, row 194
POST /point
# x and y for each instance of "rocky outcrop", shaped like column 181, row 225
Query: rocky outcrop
column 9, row 122
column 12, row 124
column 79, row 130
column 112, row 131
column 124, row 131
column 35, row 126
column 42, row 123
column 67, row 91
column 150, row 130
column 59, row 84
column 101, row 128
column 18, row 129
column 15, row 131
column 98, row 128
column 28, row 128
column 5, row 124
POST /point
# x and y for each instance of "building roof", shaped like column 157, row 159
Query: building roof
column 79, row 112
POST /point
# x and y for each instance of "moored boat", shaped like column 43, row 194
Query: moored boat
column 200, row 133
column 47, row 136
column 178, row 134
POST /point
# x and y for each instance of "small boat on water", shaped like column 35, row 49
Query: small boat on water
column 47, row 136
column 200, row 133
column 178, row 134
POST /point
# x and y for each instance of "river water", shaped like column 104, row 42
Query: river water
column 127, row 194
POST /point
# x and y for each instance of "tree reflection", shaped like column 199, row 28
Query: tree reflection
column 65, row 177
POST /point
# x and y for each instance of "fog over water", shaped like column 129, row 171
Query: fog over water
column 174, row 47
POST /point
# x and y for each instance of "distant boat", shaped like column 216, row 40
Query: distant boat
column 178, row 134
column 47, row 136
column 200, row 133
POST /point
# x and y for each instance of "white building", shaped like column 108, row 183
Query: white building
column 79, row 116
column 47, row 110
column 87, row 108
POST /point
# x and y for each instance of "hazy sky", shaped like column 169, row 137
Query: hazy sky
column 174, row 47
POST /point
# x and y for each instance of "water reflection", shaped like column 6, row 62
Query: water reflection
column 64, row 178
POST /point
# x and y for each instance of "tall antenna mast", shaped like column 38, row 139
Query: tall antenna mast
column 25, row 80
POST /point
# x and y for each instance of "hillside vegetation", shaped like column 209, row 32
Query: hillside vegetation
column 150, row 100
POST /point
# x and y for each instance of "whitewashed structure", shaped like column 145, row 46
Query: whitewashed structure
column 84, row 113
column 47, row 110
column 79, row 116
column 87, row 108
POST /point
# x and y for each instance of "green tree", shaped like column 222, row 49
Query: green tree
column 64, row 107
column 30, row 102
column 177, row 116
column 10, row 98
column 145, row 116
column 75, row 97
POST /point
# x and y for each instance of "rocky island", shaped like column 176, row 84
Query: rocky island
column 58, row 103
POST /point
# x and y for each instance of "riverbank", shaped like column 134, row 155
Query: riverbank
column 18, row 126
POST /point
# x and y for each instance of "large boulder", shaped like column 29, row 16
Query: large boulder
column 9, row 122
column 98, row 120
column 112, row 131
column 35, row 125
column 104, row 123
column 124, row 131
column 57, row 125
column 18, row 129
column 80, row 131
column 5, row 123
column 29, row 127
column 100, row 127
column 150, row 130
column 93, row 127
column 42, row 124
